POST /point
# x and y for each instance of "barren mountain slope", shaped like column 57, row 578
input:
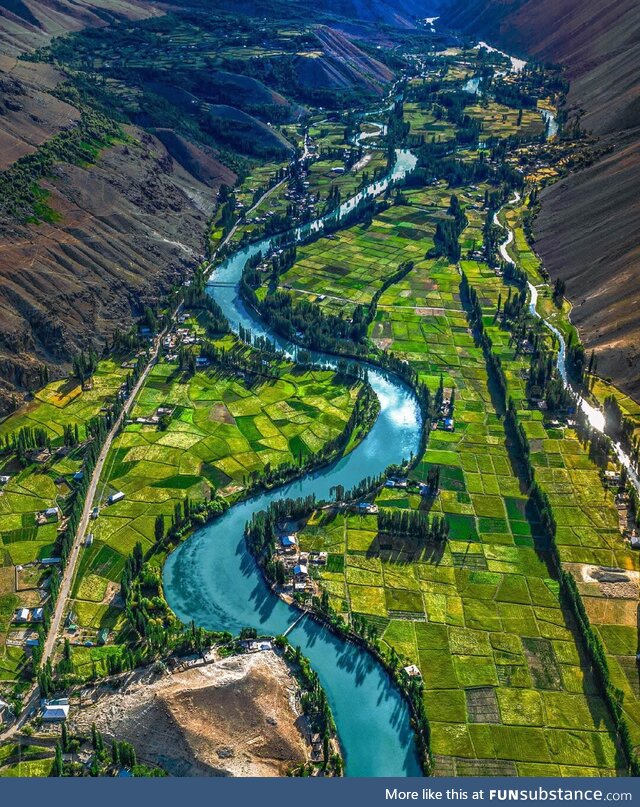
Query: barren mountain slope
column 343, row 65
column 129, row 225
column 126, row 226
column 28, row 24
column 587, row 232
column 235, row 717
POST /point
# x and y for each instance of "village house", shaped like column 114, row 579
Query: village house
column 48, row 515
column 55, row 711
column 412, row 671
column 367, row 508
column 288, row 543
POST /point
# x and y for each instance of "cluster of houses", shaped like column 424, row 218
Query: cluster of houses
column 612, row 479
column 25, row 615
column 176, row 337
column 265, row 265
column 626, row 522
column 445, row 420
column 398, row 484
column 256, row 645
column 365, row 508
column 395, row 482
column 154, row 420
column 296, row 564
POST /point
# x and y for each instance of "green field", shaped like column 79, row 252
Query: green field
column 504, row 677
column 508, row 689
column 35, row 486
column 223, row 435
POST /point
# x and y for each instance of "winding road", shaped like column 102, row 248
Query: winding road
column 594, row 415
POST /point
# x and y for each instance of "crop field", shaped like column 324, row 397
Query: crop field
column 326, row 133
column 37, row 486
column 424, row 123
column 351, row 265
column 588, row 536
column 222, row 435
column 507, row 687
column 28, row 768
column 502, row 121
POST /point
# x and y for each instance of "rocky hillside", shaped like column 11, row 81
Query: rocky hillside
column 399, row 13
column 587, row 231
column 113, row 233
column 109, row 172
column 343, row 65
column 28, row 24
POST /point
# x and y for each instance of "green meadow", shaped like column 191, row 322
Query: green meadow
column 222, row 435
column 35, row 487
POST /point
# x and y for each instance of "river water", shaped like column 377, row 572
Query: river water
column 213, row 580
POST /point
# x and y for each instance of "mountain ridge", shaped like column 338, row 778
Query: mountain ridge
column 586, row 232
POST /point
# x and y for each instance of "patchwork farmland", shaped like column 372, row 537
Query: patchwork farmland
column 41, row 479
column 223, row 434
column 507, row 687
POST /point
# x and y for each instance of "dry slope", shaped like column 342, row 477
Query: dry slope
column 236, row 717
column 587, row 231
column 129, row 224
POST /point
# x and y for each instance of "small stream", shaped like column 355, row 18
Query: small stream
column 594, row 415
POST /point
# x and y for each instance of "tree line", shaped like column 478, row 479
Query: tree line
column 415, row 523
column 544, row 511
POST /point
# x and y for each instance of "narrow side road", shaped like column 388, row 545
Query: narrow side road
column 32, row 696
column 70, row 568
column 31, row 699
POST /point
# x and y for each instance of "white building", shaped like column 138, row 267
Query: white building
column 55, row 711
